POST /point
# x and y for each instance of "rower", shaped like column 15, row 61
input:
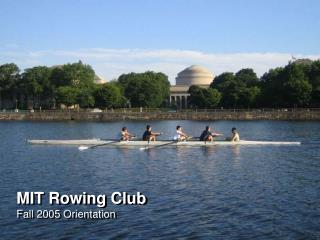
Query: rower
column 180, row 135
column 207, row 135
column 235, row 136
column 125, row 135
column 148, row 135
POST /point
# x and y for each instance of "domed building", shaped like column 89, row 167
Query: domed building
column 99, row 80
column 193, row 75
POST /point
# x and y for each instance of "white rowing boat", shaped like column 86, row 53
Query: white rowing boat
column 91, row 142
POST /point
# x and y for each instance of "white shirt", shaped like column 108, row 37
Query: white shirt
column 178, row 135
column 235, row 137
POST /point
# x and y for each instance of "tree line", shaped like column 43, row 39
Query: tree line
column 73, row 84
column 295, row 85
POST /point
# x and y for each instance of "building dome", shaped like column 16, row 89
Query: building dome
column 194, row 75
column 99, row 80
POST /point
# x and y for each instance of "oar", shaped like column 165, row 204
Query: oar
column 81, row 148
column 198, row 138
column 165, row 144
column 158, row 146
column 192, row 138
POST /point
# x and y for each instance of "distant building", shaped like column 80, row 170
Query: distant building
column 99, row 80
column 193, row 75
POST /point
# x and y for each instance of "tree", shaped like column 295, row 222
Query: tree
column 147, row 89
column 248, row 77
column 204, row 98
column 299, row 92
column 196, row 96
column 314, row 80
column 271, row 92
column 9, row 80
column 212, row 97
column 108, row 95
column 238, row 90
column 67, row 95
column 37, row 85
column 232, row 89
column 232, row 97
column 287, row 87
column 296, row 88
column 222, row 81
column 78, row 76
column 251, row 95
column 249, row 87
column 73, row 74
column 85, row 97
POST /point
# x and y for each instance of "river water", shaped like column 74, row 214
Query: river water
column 222, row 192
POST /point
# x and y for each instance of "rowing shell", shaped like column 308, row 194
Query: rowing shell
column 89, row 142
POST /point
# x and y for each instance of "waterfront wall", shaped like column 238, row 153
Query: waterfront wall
column 144, row 116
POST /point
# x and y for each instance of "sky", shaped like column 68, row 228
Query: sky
column 121, row 36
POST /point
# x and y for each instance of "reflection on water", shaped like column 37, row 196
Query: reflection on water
column 207, row 151
column 236, row 152
column 247, row 192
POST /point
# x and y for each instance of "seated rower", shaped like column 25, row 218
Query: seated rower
column 235, row 136
column 207, row 135
column 125, row 135
column 148, row 135
column 180, row 135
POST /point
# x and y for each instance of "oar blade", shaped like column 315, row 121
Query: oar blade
column 158, row 146
column 82, row 148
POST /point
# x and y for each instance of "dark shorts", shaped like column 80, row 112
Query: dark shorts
column 146, row 137
column 205, row 138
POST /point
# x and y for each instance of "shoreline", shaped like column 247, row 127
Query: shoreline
column 57, row 115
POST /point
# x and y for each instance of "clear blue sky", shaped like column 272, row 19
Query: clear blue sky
column 205, row 25
column 209, row 26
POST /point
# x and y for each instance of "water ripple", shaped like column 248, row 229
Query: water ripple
column 217, row 192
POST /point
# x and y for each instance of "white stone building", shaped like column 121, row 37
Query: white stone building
column 193, row 75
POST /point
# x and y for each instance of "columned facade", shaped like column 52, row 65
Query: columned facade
column 193, row 75
column 179, row 96
column 181, row 100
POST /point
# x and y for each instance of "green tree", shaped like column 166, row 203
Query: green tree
column 238, row 90
column 67, row 95
column 287, row 87
column 78, row 76
column 9, row 80
column 251, row 95
column 272, row 85
column 232, row 97
column 109, row 95
column 248, row 77
column 204, row 98
column 249, row 87
column 57, row 77
column 37, row 85
column 222, row 81
column 85, row 97
column 296, row 88
column 196, row 96
column 314, row 80
column 232, row 89
column 212, row 97
column 73, row 74
column 147, row 89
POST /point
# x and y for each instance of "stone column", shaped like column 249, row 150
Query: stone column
column 186, row 101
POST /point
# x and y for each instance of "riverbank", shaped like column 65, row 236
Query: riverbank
column 66, row 115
